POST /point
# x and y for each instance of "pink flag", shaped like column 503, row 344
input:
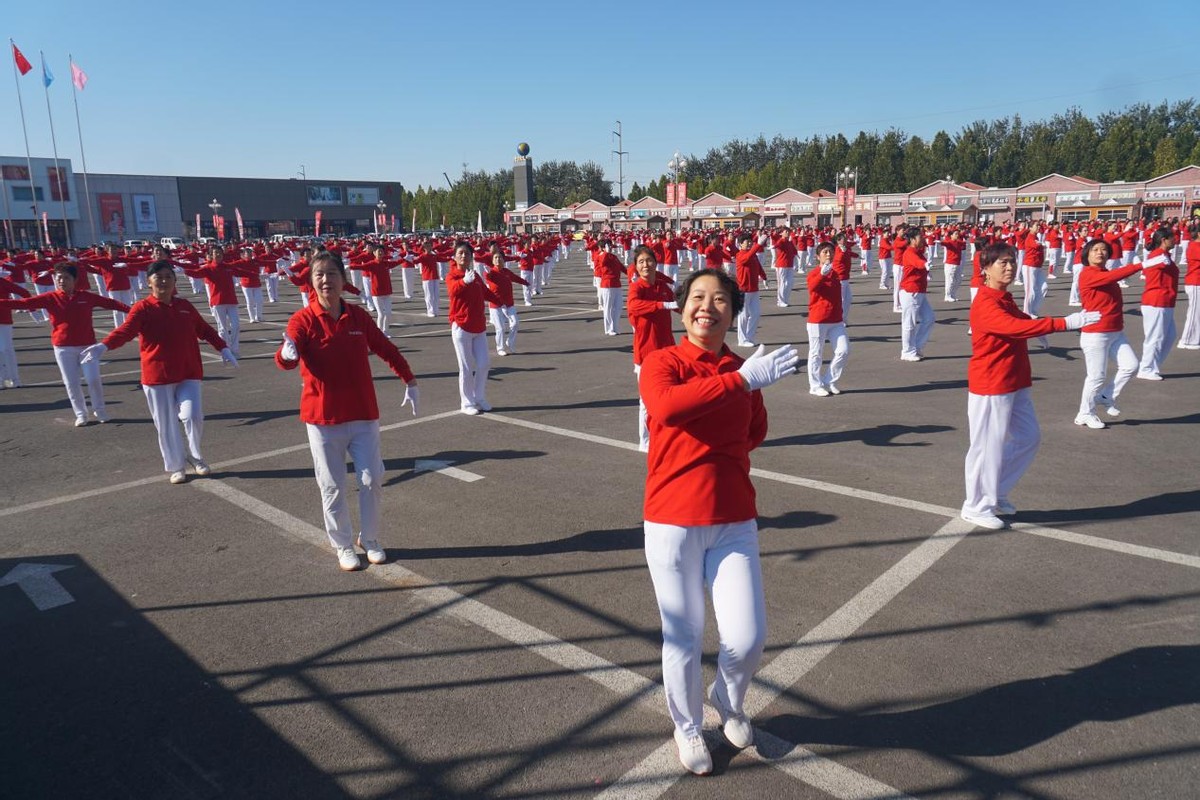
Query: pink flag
column 317, row 227
column 197, row 226
column 78, row 76
column 241, row 229
column 46, row 227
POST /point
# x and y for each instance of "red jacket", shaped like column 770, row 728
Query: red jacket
column 1162, row 280
column 824, row 297
column 1192, row 257
column 1098, row 291
column 168, row 334
column 749, row 268
column 915, row 278
column 70, row 314
column 219, row 277
column 336, row 377
column 651, row 322
column 500, row 281
column 703, row 425
column 7, row 290
column 999, row 354
column 466, row 301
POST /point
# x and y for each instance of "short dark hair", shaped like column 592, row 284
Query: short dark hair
column 159, row 266
column 67, row 267
column 326, row 257
column 993, row 252
column 727, row 283
column 912, row 232
column 745, row 237
column 1160, row 235
column 641, row 249
column 824, row 246
column 1087, row 249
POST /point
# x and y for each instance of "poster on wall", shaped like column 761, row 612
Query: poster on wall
column 145, row 213
column 112, row 213
column 60, row 190
column 324, row 195
column 12, row 172
column 362, row 195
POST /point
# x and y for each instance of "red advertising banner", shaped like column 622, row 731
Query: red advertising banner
column 681, row 193
column 112, row 213
column 670, row 194
column 845, row 197
column 220, row 229
column 59, row 188
column 317, row 226
column 12, row 172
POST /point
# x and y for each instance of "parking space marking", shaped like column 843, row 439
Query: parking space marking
column 1070, row 537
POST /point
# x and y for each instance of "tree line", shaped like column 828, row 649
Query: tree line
column 1135, row 143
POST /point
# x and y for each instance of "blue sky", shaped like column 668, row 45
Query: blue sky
column 412, row 89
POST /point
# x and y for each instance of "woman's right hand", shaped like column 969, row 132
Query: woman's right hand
column 762, row 370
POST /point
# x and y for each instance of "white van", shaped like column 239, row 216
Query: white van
column 171, row 242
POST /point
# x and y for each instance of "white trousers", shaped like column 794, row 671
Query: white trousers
column 125, row 296
column 171, row 404
column 504, row 320
column 953, row 273
column 406, row 280
column 610, row 303
column 8, row 357
column 683, row 562
column 747, row 321
column 818, row 334
column 1158, row 325
column 539, row 278
column 472, row 353
column 330, row 444
column 433, row 300
column 885, row 273
column 383, row 311
column 443, row 268
column 897, row 274
column 1097, row 349
column 1035, row 290
column 198, row 285
column 1191, row 322
column 228, row 326
column 72, row 371
column 784, row 278
column 643, row 425
column 847, row 298
column 527, row 291
column 254, row 302
column 272, row 281
column 1004, row 439
column 1052, row 256
column 916, row 322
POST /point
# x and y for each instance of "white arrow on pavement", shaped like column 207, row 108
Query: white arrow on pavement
column 424, row 465
column 39, row 584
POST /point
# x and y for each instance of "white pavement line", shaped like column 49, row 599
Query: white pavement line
column 445, row 468
column 216, row 465
column 619, row 680
column 1097, row 542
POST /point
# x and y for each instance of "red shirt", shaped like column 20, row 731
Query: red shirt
column 466, row 301
column 915, row 278
column 500, row 281
column 1192, row 257
column 70, row 314
column 1098, row 291
column 608, row 269
column 168, row 333
column 841, row 262
column 999, row 353
column 219, row 277
column 785, row 254
column 824, row 297
column 381, row 275
column 336, row 374
column 651, row 322
column 703, row 425
column 1162, row 280
column 7, row 290
column 749, row 268
column 954, row 250
column 1035, row 253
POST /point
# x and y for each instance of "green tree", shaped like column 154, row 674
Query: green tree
column 941, row 155
column 1166, row 159
column 887, row 168
column 918, row 166
column 636, row 192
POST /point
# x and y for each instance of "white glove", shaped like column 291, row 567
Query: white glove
column 1081, row 319
column 412, row 397
column 92, row 353
column 764, row 239
column 826, row 269
column 481, row 269
column 469, row 277
column 228, row 357
column 288, row 351
column 671, row 306
column 762, row 370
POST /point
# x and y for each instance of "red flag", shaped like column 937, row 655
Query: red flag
column 23, row 65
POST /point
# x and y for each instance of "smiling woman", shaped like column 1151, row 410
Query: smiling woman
column 705, row 413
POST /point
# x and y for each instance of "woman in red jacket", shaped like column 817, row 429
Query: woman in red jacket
column 70, row 313
column 916, row 320
column 706, row 415
column 1158, row 303
column 504, row 312
column 168, row 327
column 468, row 290
column 1004, row 429
column 330, row 341
column 1190, row 338
column 826, row 322
column 1100, row 290
column 649, row 306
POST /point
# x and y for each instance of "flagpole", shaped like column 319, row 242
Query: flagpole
column 28, row 159
column 60, row 184
column 87, row 195
column 8, row 232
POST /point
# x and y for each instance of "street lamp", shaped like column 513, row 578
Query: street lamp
column 380, row 208
column 216, row 210
column 303, row 177
column 676, row 165
column 844, row 180
column 507, row 229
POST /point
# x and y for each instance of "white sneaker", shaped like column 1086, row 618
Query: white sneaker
column 484, row 405
column 501, row 352
column 1110, row 407
column 693, row 753
column 201, row 468
column 1090, row 420
column 819, row 391
column 1006, row 508
column 833, row 389
column 989, row 521
column 102, row 416
column 375, row 553
column 1180, row 346
column 80, row 422
column 470, row 411
column 910, row 357
column 348, row 559
column 177, row 477
column 736, row 727
column 1149, row 376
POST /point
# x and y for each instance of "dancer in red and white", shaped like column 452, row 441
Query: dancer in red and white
column 1190, row 338
column 331, row 341
column 168, row 327
column 785, row 266
column 608, row 269
column 917, row 317
column 70, row 312
column 952, row 249
column 749, row 272
column 1158, row 304
column 503, row 311
column 468, row 328
column 10, row 377
column 825, row 323
column 651, row 301
column 706, row 414
column 222, row 296
column 1004, row 428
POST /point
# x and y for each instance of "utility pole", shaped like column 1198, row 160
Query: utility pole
column 620, row 154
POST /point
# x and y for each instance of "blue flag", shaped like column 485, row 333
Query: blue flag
column 47, row 77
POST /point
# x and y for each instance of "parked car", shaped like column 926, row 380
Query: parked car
column 136, row 243
column 206, row 240
column 171, row 242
